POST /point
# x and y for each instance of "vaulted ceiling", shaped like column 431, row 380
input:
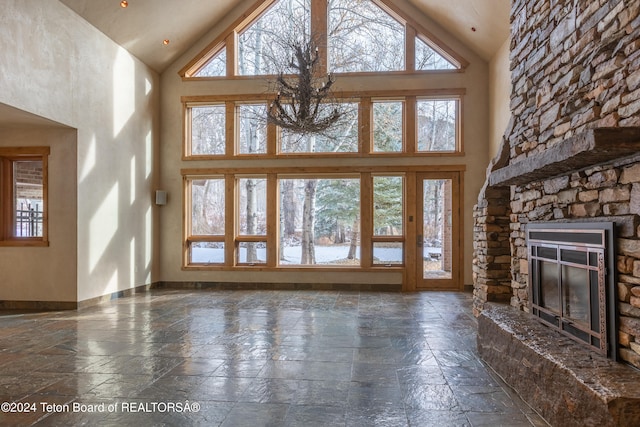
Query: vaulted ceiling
column 141, row 28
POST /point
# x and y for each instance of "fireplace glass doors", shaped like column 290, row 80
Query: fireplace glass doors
column 570, row 288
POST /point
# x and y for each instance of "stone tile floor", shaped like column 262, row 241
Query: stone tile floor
column 254, row 358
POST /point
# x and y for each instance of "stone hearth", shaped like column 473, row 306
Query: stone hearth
column 568, row 384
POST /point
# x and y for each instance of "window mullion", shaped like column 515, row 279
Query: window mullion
column 230, row 130
column 366, row 128
column 410, row 48
column 230, row 206
column 366, row 219
column 319, row 11
column 410, row 112
column 231, row 43
column 273, row 220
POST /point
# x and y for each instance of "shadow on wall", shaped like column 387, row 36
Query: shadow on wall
column 116, row 182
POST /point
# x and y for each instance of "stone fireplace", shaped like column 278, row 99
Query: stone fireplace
column 571, row 153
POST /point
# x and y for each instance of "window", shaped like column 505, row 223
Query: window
column 388, row 126
column 437, row 125
column 342, row 137
column 353, row 36
column 265, row 46
column 232, row 129
column 23, row 196
column 215, row 67
column 388, row 226
column 208, row 132
column 252, row 135
column 321, row 221
column 252, row 220
column 206, row 228
column 428, row 59
column 363, row 37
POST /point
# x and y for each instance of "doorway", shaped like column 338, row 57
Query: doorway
column 438, row 231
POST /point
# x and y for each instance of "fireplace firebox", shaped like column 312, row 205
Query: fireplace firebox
column 572, row 281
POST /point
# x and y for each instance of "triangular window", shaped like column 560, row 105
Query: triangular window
column 363, row 37
column 215, row 67
column 264, row 47
column 428, row 59
column 355, row 35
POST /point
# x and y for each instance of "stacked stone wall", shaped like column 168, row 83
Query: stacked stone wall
column 575, row 65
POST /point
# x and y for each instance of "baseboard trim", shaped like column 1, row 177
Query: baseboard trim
column 113, row 296
column 252, row 286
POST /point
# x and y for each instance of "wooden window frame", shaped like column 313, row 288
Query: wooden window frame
column 389, row 239
column 319, row 21
column 231, row 237
column 365, row 102
column 9, row 156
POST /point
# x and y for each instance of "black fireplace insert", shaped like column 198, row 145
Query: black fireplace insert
column 572, row 281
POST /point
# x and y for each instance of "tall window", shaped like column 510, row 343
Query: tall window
column 206, row 229
column 388, row 224
column 252, row 220
column 388, row 126
column 23, row 196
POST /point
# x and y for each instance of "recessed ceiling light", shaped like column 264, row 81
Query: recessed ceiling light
column 166, row 42
column 124, row 3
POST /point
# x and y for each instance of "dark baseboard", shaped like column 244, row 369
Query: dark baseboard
column 280, row 286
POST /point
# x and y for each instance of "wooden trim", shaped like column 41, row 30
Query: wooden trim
column 320, row 170
column 296, row 269
column 232, row 54
column 457, row 192
column 230, row 129
column 410, row 128
column 273, row 222
column 45, row 199
column 6, row 182
column 410, row 48
column 366, row 219
column 319, row 31
column 410, row 231
column 8, row 156
column 347, row 96
column 229, row 220
column 16, row 153
column 186, row 219
column 365, row 118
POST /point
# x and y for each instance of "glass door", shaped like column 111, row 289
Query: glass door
column 438, row 231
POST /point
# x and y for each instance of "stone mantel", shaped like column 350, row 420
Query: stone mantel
column 590, row 148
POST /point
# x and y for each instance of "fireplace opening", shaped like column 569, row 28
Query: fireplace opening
column 572, row 281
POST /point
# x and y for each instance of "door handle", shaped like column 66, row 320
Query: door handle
column 419, row 240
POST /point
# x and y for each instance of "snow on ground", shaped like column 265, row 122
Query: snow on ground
column 324, row 254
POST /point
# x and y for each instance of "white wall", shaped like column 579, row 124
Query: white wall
column 57, row 66
column 476, row 131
